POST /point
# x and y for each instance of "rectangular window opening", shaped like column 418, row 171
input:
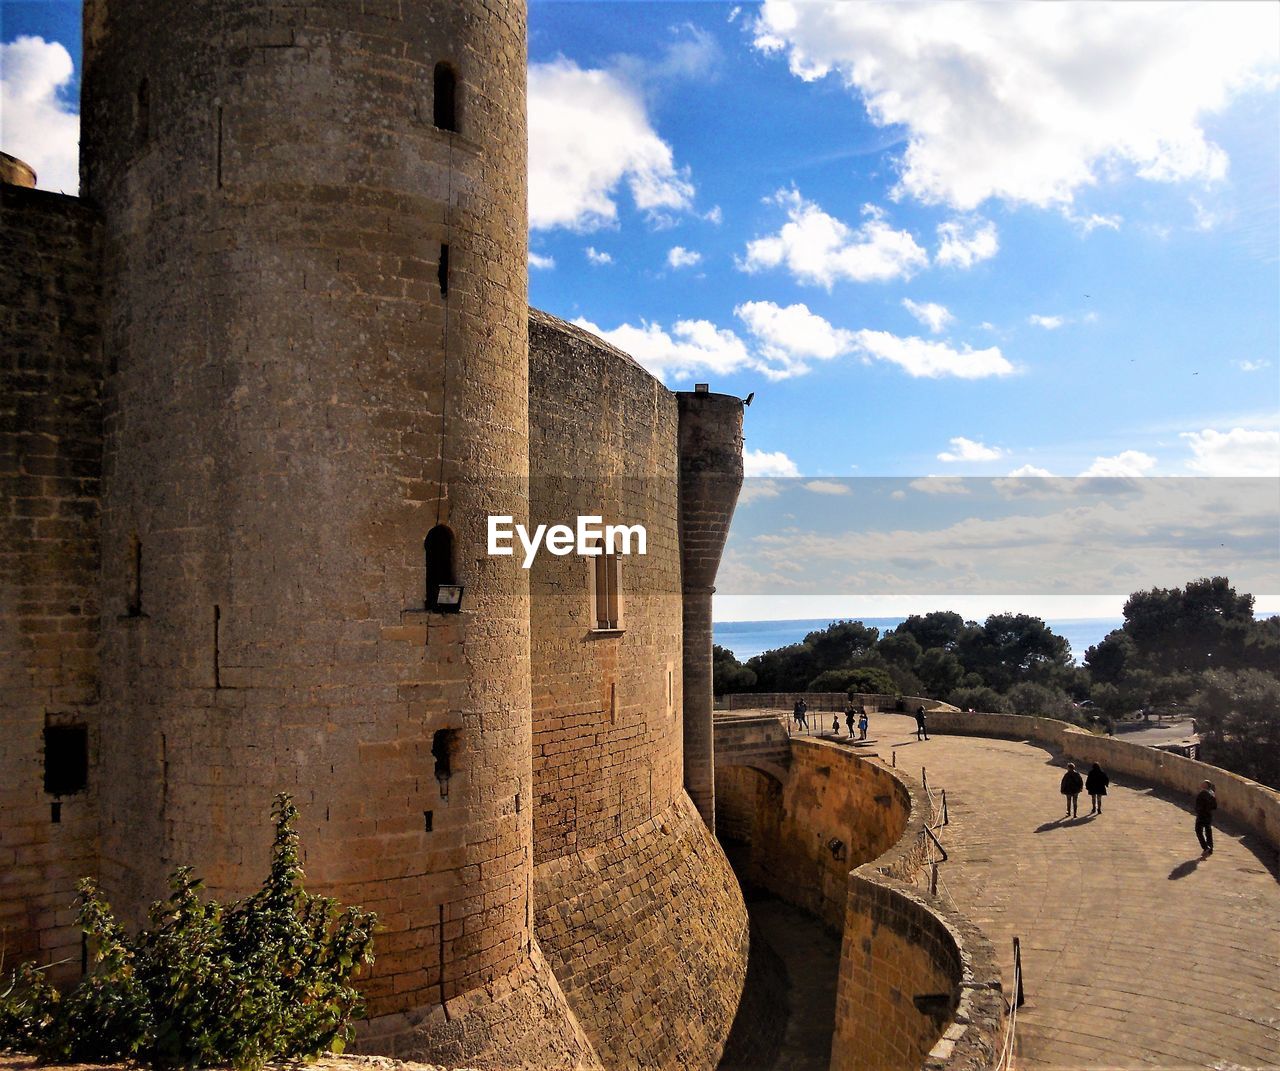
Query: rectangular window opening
column 442, row 272
column 66, row 759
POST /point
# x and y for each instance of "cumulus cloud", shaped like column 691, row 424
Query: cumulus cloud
column 1126, row 463
column 766, row 463
column 1029, row 470
column 962, row 243
column 939, row 485
column 826, row 487
column 537, row 260
column 1252, row 366
column 789, row 337
column 819, row 249
column 963, row 449
column 691, row 346
column 923, row 358
column 590, row 133
column 596, row 256
column 1238, row 452
column 1049, row 323
column 1031, row 103
column 680, row 257
column 40, row 127
column 933, row 316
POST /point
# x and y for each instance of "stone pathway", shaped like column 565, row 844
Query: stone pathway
column 1136, row 954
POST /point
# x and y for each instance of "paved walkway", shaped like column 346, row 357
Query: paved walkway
column 1135, row 953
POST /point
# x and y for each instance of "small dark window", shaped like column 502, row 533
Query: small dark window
column 66, row 759
column 142, row 114
column 443, row 271
column 444, row 747
column 134, row 608
column 446, row 98
column 605, row 609
column 438, row 551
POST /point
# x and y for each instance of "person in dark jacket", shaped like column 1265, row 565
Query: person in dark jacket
column 1096, row 785
column 849, row 718
column 1206, row 804
column 921, row 729
column 1072, row 783
column 800, row 713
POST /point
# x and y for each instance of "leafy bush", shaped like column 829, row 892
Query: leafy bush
column 263, row 978
column 983, row 700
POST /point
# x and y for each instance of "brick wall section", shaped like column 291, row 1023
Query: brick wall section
column 648, row 937
column 50, row 461
column 293, row 401
column 710, row 479
column 1246, row 801
column 606, row 705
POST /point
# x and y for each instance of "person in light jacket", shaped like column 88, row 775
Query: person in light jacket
column 1096, row 785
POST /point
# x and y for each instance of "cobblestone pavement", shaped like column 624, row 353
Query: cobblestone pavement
column 1135, row 952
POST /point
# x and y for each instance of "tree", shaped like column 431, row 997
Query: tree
column 983, row 700
column 866, row 679
column 899, row 649
column 941, row 628
column 940, row 671
column 785, row 669
column 1109, row 659
column 1203, row 626
column 840, row 643
column 1009, row 648
column 1027, row 697
column 1238, row 718
column 728, row 674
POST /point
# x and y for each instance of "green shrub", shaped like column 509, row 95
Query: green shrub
column 263, row 978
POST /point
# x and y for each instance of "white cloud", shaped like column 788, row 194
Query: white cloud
column 39, row 127
column 933, row 316
column 1126, row 463
column 827, row 487
column 939, row 485
column 1049, row 323
column 788, row 337
column 1093, row 221
column 1252, row 366
column 714, row 215
column 690, row 347
column 764, row 463
column 680, row 257
column 1029, row 470
column 537, row 260
column 589, row 132
column 1032, row 102
column 962, row 243
column 922, row 358
column 819, row 249
column 963, row 449
column 1238, row 452
column 596, row 256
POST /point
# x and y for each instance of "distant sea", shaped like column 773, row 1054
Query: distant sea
column 747, row 638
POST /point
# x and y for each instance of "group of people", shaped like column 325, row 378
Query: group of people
column 855, row 719
column 1096, row 782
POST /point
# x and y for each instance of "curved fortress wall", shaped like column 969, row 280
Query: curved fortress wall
column 301, row 384
column 50, row 459
column 637, row 909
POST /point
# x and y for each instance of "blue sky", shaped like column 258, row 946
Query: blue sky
column 966, row 240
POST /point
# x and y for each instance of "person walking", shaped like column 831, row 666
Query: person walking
column 849, row 717
column 835, row 724
column 1206, row 804
column 922, row 730
column 1072, row 783
column 799, row 714
column 862, row 723
column 1096, row 785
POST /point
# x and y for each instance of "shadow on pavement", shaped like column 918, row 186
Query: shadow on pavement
column 1183, row 869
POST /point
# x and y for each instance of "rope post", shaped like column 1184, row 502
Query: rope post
column 924, row 778
column 895, row 759
column 1018, row 997
column 933, row 881
column 946, row 819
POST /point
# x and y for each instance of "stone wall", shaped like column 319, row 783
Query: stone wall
column 710, row 479
column 50, row 465
column 828, row 701
column 606, row 703
column 647, row 934
column 1246, row 801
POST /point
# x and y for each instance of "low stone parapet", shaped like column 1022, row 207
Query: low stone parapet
column 1247, row 802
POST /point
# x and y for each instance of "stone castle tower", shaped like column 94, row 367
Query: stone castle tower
column 276, row 372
